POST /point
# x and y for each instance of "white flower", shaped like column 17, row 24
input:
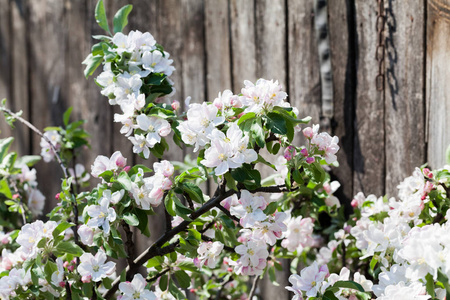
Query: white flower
column 101, row 215
column 30, row 235
column 263, row 95
column 209, row 253
column 54, row 138
column 140, row 144
column 155, row 127
column 86, row 235
column 250, row 210
column 95, row 266
column 58, row 276
column 164, row 167
column 36, row 201
column 253, row 258
column 103, row 163
column 298, row 234
column 400, row 291
column 310, row 280
column 156, row 62
column 126, row 85
column 78, row 173
column 136, row 289
column 115, row 197
column 272, row 229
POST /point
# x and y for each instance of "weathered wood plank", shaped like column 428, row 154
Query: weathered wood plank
column 304, row 77
column 47, row 73
column 217, row 39
column 343, row 46
column 5, row 61
column 437, row 94
column 369, row 157
column 404, row 104
column 243, row 39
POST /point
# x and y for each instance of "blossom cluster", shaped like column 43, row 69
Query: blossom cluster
column 407, row 237
column 139, row 69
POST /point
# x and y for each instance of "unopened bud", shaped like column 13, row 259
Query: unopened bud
column 310, row 160
column 86, row 278
column 175, row 105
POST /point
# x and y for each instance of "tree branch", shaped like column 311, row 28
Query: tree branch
column 157, row 249
column 129, row 244
column 227, row 212
column 255, row 284
column 32, row 127
column 158, row 275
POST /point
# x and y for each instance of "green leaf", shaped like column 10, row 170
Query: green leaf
column 231, row 183
column 173, row 289
column 444, row 280
column 373, row 263
column 271, row 208
column 70, row 248
column 61, row 228
column 66, row 116
column 187, row 266
column 262, row 160
column 430, row 285
column 290, row 116
column 28, row 160
column 4, row 146
column 4, row 189
column 131, row 219
column 194, row 192
column 276, row 123
column 447, row 155
column 349, row 285
column 169, row 204
column 8, row 161
column 183, row 279
column 143, row 221
column 121, row 18
column 258, row 133
column 92, row 62
column 124, row 180
column 329, row 295
column 273, row 277
column 163, row 282
column 100, row 16
column 247, row 116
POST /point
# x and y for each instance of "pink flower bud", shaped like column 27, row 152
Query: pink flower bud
column 193, row 291
column 15, row 196
column 66, row 264
column 121, row 162
column 427, row 173
column 166, row 184
column 86, row 278
column 127, row 168
column 57, row 196
column 304, row 152
column 308, row 132
column 70, row 268
column 428, row 187
column 230, row 269
column 354, row 203
column 62, row 284
column 175, row 105
column 327, row 187
column 5, row 240
column 240, row 115
column 347, row 228
column 289, row 153
column 310, row 160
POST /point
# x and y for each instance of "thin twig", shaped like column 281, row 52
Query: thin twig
column 157, row 249
column 252, row 291
column 32, row 127
column 129, row 244
column 227, row 212
column 158, row 275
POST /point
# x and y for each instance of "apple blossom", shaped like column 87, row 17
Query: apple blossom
column 96, row 266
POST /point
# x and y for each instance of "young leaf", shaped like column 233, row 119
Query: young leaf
column 66, row 116
column 4, row 189
column 124, row 180
column 92, row 62
column 121, row 18
column 276, row 123
column 4, row 146
column 70, row 248
column 183, row 279
column 100, row 16
column 131, row 219
column 349, row 285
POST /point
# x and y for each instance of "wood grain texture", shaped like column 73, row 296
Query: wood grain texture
column 437, row 93
column 369, row 157
column 405, row 87
column 47, row 72
column 243, row 43
column 343, row 47
column 5, row 61
column 217, row 48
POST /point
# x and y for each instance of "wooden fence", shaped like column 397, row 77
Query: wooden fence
column 216, row 44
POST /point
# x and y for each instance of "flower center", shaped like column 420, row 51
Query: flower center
column 151, row 128
column 222, row 157
column 95, row 268
column 136, row 295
